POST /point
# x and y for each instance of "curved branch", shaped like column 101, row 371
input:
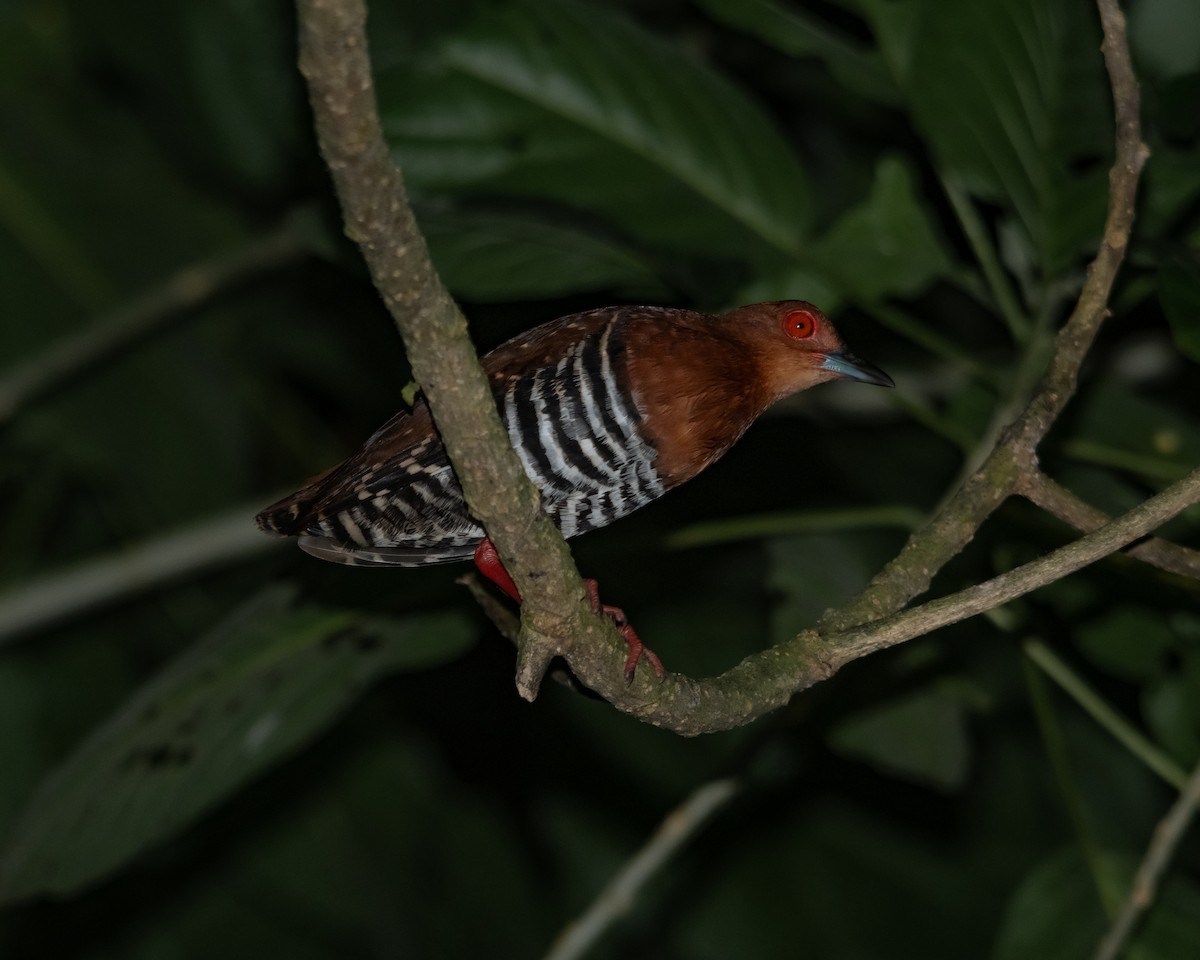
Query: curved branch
column 1062, row 503
column 555, row 619
column 767, row 680
column 930, row 548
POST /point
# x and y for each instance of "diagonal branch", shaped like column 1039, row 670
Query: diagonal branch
column 335, row 63
column 765, row 681
column 1062, row 503
column 1167, row 837
column 622, row 891
column 930, row 548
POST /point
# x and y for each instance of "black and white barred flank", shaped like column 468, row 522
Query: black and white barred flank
column 571, row 418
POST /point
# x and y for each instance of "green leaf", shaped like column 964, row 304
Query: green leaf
column 253, row 691
column 886, row 246
column 1179, row 292
column 492, row 257
column 1171, row 705
column 229, row 63
column 1165, row 36
column 812, row 572
column 920, row 737
column 1129, row 641
column 1010, row 95
column 1056, row 913
column 799, row 33
column 1118, row 428
column 572, row 102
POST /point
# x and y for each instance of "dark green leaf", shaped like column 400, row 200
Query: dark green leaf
column 486, row 257
column 254, row 690
column 800, row 33
column 1165, row 36
column 1171, row 705
column 1116, row 427
column 921, row 737
column 1179, row 292
column 1056, row 913
column 887, row 245
column 570, row 101
column 1010, row 95
column 1129, row 641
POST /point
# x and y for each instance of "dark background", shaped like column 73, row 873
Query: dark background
column 267, row 755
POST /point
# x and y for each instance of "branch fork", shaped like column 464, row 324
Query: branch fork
column 556, row 619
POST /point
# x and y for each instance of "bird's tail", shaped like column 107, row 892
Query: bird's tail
column 293, row 514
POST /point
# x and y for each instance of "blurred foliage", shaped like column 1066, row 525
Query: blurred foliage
column 280, row 757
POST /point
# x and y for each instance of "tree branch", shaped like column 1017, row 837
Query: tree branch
column 619, row 895
column 555, row 618
column 1062, row 503
column 335, row 63
column 764, row 681
column 930, row 548
column 112, row 577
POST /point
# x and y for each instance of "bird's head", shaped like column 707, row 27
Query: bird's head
column 797, row 347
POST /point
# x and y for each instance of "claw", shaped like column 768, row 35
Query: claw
column 637, row 649
column 488, row 562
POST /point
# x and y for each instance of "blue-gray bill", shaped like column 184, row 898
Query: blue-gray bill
column 847, row 365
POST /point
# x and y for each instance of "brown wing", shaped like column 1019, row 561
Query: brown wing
column 396, row 502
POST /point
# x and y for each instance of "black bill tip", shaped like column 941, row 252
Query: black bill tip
column 846, row 365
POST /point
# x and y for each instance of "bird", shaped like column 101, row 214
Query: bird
column 607, row 410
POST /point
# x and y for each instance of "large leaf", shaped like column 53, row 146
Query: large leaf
column 1010, row 95
column 492, row 256
column 254, row 690
column 232, row 81
column 921, row 736
column 1179, row 292
column 885, row 246
column 572, row 102
column 801, row 33
column 1056, row 913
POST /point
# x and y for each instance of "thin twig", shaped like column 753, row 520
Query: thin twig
column 58, row 597
column 1015, row 583
column 1105, row 714
column 69, row 358
column 981, row 245
column 1062, row 503
column 1166, row 839
column 620, row 894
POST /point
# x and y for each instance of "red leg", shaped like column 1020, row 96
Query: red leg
column 488, row 562
column 637, row 649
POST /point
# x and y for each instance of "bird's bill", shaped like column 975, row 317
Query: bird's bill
column 846, row 365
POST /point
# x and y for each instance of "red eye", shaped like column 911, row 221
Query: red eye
column 800, row 324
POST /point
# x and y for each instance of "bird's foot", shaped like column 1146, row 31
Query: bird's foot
column 637, row 649
column 488, row 562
